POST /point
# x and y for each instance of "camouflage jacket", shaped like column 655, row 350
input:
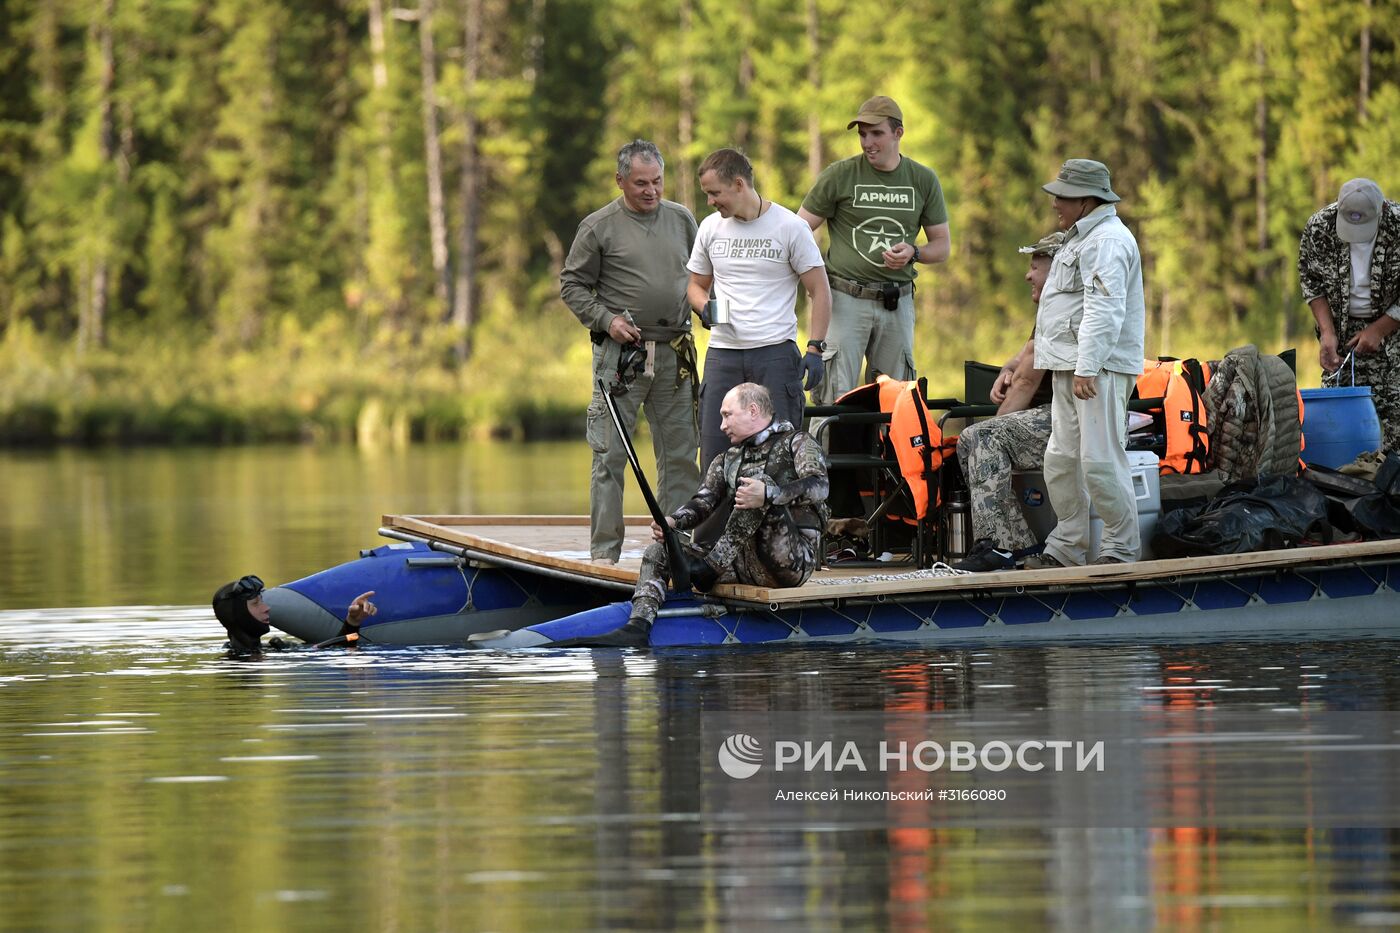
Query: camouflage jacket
column 1324, row 261
column 791, row 459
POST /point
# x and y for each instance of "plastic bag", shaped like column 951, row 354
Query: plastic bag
column 1274, row 512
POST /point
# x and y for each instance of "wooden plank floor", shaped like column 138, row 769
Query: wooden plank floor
column 561, row 542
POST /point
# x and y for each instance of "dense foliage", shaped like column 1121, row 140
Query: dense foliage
column 225, row 219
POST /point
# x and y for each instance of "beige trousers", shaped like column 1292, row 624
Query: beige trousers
column 1086, row 463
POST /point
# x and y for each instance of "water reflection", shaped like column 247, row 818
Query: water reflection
column 145, row 780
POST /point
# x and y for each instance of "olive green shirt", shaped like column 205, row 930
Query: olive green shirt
column 625, row 261
column 869, row 211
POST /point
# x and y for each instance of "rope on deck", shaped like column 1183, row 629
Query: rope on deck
column 939, row 569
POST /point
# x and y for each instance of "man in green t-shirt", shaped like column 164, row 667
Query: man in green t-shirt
column 875, row 204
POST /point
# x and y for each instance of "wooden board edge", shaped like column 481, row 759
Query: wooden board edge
column 1141, row 571
column 449, row 535
column 450, row 521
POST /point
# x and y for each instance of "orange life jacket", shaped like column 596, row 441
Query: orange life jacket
column 913, row 436
column 1181, row 385
column 917, row 442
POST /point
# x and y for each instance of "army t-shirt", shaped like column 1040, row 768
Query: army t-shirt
column 869, row 211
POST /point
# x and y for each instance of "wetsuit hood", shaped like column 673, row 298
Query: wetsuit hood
column 231, row 609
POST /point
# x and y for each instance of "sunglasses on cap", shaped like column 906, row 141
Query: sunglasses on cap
column 249, row 587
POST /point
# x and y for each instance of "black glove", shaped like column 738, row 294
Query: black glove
column 813, row 370
column 704, row 314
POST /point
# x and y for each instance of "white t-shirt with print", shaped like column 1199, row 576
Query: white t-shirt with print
column 755, row 265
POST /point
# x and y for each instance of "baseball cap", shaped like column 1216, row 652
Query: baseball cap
column 877, row 109
column 1359, row 210
column 1047, row 245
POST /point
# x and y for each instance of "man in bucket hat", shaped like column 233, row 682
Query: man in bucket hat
column 1089, row 334
column 875, row 204
column 1349, row 266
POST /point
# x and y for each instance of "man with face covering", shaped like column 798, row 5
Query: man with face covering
column 241, row 610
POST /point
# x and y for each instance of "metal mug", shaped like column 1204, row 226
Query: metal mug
column 717, row 310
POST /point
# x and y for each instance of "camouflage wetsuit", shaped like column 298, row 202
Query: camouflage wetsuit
column 988, row 451
column 775, row 545
column 1324, row 269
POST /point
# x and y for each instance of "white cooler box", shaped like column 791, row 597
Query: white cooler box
column 1147, row 490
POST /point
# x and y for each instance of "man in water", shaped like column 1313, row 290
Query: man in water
column 240, row 608
column 775, row 476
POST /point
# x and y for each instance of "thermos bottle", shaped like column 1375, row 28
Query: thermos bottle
column 958, row 539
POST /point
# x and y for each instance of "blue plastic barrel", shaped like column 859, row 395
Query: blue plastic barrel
column 1338, row 424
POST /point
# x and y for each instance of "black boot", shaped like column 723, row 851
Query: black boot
column 635, row 633
column 703, row 576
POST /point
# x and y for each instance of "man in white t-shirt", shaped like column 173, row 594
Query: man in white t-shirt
column 753, row 253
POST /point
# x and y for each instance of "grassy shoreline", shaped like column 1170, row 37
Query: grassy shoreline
column 300, row 388
column 310, row 384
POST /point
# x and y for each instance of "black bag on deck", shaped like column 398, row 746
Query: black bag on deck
column 1373, row 516
column 1272, row 512
column 1354, row 504
column 1388, row 476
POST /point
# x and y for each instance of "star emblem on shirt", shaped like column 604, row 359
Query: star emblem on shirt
column 883, row 238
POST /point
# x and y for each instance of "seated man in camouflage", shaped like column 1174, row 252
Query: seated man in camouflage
column 1014, row 440
column 776, row 477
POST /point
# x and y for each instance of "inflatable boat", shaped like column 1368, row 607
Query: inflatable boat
column 511, row 582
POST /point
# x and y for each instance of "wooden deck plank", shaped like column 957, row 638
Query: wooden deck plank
column 552, row 520
column 561, row 542
column 1067, row 576
column 561, row 545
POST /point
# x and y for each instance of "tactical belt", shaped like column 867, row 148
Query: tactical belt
column 656, row 335
column 871, row 292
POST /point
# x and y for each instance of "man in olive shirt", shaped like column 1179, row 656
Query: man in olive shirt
column 875, row 204
column 625, row 280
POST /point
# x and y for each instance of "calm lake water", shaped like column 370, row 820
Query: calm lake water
column 146, row 782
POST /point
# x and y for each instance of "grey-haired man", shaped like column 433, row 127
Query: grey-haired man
column 1015, row 439
column 625, row 280
column 1089, row 333
column 1349, row 266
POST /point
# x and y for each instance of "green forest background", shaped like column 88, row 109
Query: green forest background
column 230, row 220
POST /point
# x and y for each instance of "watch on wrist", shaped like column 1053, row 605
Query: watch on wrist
column 818, row 345
column 915, row 257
